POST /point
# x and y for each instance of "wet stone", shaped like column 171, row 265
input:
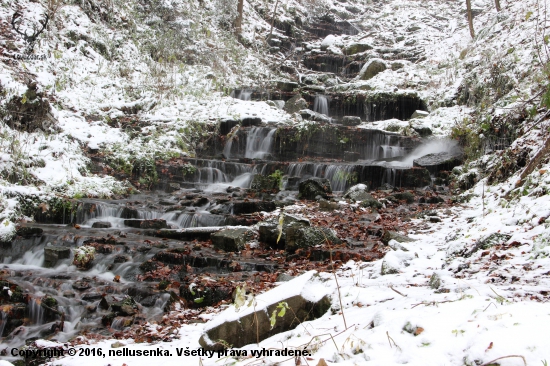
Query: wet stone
column 101, row 224
column 147, row 224
column 92, row 296
column 53, row 253
column 28, row 232
column 392, row 235
column 81, row 285
column 231, row 240
column 313, row 187
column 305, row 237
column 351, row 120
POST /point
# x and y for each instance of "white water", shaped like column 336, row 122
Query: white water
column 432, row 147
column 320, row 104
column 258, row 142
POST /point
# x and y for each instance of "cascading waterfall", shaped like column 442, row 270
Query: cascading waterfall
column 36, row 312
column 259, row 142
column 246, row 94
column 320, row 104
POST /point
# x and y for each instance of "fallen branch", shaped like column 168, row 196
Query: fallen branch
column 397, row 291
column 500, row 358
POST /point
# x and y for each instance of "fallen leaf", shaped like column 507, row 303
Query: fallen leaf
column 322, row 362
column 490, row 346
column 418, row 331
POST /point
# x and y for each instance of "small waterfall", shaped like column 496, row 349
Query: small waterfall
column 246, row 94
column 229, row 144
column 320, row 104
column 211, row 175
column 36, row 312
column 258, row 142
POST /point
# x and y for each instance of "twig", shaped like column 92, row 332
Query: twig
column 491, row 303
column 500, row 358
column 397, row 291
column 390, row 339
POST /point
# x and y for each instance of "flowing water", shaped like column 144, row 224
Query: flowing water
column 320, row 104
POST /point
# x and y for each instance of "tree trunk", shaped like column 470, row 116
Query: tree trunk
column 273, row 19
column 239, row 20
column 497, row 5
column 470, row 17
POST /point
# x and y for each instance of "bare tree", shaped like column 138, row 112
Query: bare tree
column 497, row 5
column 239, row 20
column 273, row 19
column 470, row 17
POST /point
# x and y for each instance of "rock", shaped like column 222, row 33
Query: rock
column 295, row 104
column 404, row 196
column 435, row 281
column 172, row 187
column 189, row 234
column 129, row 213
column 101, row 224
column 313, row 187
column 359, row 47
column 84, row 256
column 372, row 68
column 53, row 253
column 387, row 269
column 206, row 294
column 392, row 235
column 422, row 130
column 439, row 161
column 92, row 296
column 266, row 182
column 287, row 86
column 126, row 307
column 351, row 120
column 328, row 205
column 435, row 199
column 395, row 245
column 488, row 242
column 269, row 231
column 419, row 114
column 358, row 192
column 434, row 219
column 279, row 104
column 248, row 207
column 306, row 300
column 231, row 240
column 146, row 224
column 28, row 232
column 81, row 285
column 309, row 115
column 304, row 237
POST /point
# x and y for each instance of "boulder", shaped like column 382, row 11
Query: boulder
column 439, row 161
column 147, row 224
column 358, row 192
column 372, row 68
column 269, row 231
column 295, row 104
column 351, row 120
column 231, row 240
column 358, row 47
column 287, row 86
column 53, row 253
column 488, row 242
column 84, row 256
column 172, row 187
column 248, row 207
column 28, row 232
column 266, row 183
column 101, row 224
column 305, row 237
column 309, row 115
column 305, row 297
column 313, row 187
column 404, row 196
column 206, row 294
column 393, row 235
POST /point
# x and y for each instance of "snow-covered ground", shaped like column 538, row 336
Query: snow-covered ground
column 496, row 303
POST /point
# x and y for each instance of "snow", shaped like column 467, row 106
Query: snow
column 493, row 308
